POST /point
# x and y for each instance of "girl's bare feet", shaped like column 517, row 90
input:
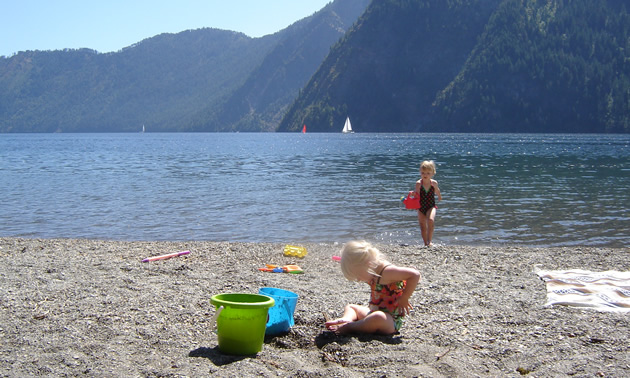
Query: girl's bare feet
column 334, row 325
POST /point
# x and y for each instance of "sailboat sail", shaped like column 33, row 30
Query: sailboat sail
column 347, row 127
column 304, row 129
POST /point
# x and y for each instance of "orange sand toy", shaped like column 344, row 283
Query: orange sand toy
column 292, row 250
column 285, row 269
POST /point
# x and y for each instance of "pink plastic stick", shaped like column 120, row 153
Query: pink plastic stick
column 168, row 256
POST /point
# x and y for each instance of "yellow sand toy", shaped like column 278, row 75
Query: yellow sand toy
column 292, row 250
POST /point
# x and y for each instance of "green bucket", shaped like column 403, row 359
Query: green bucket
column 241, row 322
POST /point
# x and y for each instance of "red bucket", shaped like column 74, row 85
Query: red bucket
column 412, row 202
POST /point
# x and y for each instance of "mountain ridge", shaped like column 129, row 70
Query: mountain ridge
column 170, row 82
column 391, row 65
column 475, row 66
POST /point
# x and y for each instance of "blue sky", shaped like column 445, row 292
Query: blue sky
column 110, row 25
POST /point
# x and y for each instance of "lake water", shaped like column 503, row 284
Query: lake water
column 545, row 190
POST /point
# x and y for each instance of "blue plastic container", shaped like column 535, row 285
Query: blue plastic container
column 281, row 314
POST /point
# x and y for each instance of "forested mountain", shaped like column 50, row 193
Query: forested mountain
column 201, row 80
column 475, row 65
column 156, row 82
column 405, row 65
column 561, row 66
column 263, row 99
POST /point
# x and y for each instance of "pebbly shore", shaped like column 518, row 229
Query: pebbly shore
column 91, row 307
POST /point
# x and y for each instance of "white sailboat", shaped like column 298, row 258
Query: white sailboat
column 142, row 128
column 347, row 127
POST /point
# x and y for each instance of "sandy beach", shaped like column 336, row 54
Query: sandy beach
column 91, row 307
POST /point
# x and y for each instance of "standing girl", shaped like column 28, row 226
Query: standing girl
column 391, row 287
column 427, row 189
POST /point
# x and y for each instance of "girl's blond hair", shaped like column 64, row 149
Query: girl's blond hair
column 428, row 165
column 360, row 253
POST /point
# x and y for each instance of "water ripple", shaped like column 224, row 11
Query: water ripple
column 501, row 188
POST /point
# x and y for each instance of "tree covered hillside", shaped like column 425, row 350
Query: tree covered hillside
column 261, row 102
column 197, row 80
column 386, row 71
column 403, row 66
column 475, row 66
column 541, row 66
column 157, row 82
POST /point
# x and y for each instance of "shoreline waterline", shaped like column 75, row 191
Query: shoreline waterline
column 415, row 242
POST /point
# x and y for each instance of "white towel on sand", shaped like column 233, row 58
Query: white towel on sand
column 603, row 291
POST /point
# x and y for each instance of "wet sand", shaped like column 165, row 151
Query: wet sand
column 91, row 307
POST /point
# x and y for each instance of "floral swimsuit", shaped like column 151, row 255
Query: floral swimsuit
column 385, row 298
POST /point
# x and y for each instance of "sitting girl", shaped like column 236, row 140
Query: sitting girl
column 391, row 287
